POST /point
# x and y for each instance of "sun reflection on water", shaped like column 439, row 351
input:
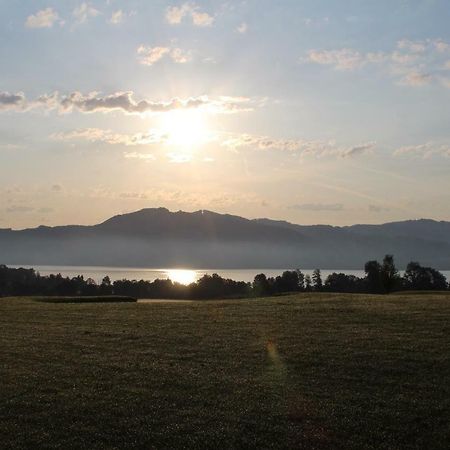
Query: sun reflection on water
column 182, row 276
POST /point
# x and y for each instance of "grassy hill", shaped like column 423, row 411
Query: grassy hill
column 305, row 371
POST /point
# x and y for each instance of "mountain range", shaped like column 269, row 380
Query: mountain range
column 157, row 237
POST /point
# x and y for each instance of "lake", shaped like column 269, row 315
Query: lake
column 184, row 276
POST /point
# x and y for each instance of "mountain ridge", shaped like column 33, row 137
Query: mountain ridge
column 158, row 237
column 259, row 219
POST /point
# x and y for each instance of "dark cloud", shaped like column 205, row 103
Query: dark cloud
column 12, row 101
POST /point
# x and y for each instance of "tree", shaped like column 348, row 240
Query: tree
column 340, row 282
column 106, row 286
column 301, row 280
column 289, row 281
column 317, row 280
column 389, row 274
column 373, row 277
column 260, row 285
column 423, row 278
column 308, row 283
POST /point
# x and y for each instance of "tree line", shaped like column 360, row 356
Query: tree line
column 380, row 278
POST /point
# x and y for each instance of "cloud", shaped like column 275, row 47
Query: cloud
column 116, row 17
column 242, row 28
column 424, row 151
column 416, row 79
column 45, row 18
column 12, row 101
column 45, row 210
column 361, row 149
column 83, row 12
column 202, row 19
column 410, row 63
column 441, row 45
column 150, row 55
column 377, row 208
column 109, row 137
column 308, row 21
column 180, row 56
column 136, row 155
column 344, row 59
column 176, row 198
column 297, row 146
column 8, row 146
column 133, row 195
column 56, row 188
column 124, row 102
column 261, row 142
column 445, row 81
column 19, row 209
column 179, row 158
column 318, row 207
column 176, row 14
column 412, row 46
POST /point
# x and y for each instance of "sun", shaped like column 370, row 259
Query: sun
column 182, row 276
column 185, row 128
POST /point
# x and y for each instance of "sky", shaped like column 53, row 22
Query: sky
column 311, row 111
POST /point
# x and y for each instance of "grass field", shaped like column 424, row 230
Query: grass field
column 306, row 371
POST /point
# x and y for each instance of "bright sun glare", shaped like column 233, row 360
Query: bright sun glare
column 182, row 276
column 185, row 128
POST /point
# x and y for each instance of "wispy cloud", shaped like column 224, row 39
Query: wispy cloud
column 242, row 28
column 142, row 156
column 150, row 55
column 318, row 207
column 176, row 14
column 123, row 102
column 416, row 79
column 410, row 63
column 109, row 137
column 116, row 17
column 343, row 59
column 299, row 146
column 377, row 208
column 179, row 158
column 425, row 151
column 45, row 18
column 19, row 209
column 83, row 12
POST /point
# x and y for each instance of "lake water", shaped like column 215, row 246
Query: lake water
column 181, row 275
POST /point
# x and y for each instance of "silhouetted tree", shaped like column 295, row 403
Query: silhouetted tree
column 261, row 285
column 379, row 278
column 389, row 274
column 317, row 280
column 301, row 280
column 373, row 277
column 423, row 278
column 290, row 281
column 340, row 282
column 308, row 283
column 106, row 286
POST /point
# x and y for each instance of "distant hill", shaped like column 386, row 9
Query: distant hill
column 156, row 237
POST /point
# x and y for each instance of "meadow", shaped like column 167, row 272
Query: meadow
column 302, row 371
